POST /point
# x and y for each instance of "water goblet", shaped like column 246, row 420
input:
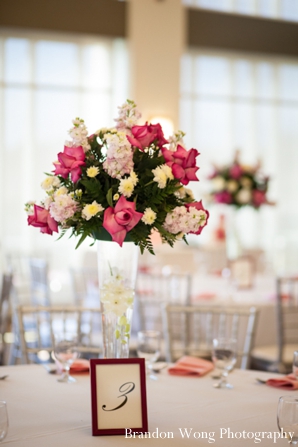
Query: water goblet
column 66, row 352
column 295, row 364
column 287, row 418
column 149, row 349
column 224, row 354
column 3, row 420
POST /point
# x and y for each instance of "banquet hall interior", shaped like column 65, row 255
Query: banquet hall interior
column 225, row 72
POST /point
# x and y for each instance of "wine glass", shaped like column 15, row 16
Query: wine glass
column 295, row 364
column 149, row 348
column 224, row 355
column 66, row 352
column 3, row 420
column 287, row 418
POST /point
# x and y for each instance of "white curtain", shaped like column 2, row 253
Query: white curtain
column 230, row 102
column 45, row 82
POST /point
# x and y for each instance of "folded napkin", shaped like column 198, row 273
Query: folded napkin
column 205, row 296
column 191, row 366
column 288, row 382
column 79, row 366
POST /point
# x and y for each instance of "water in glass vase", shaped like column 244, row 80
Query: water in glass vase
column 117, row 270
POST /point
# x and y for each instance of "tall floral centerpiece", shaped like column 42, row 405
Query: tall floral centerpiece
column 238, row 185
column 117, row 185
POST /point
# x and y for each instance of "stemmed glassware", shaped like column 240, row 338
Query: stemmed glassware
column 66, row 352
column 149, row 348
column 3, row 420
column 224, row 355
column 287, row 418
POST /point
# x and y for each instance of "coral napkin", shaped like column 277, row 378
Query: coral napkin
column 288, row 382
column 191, row 366
column 79, row 366
column 205, row 296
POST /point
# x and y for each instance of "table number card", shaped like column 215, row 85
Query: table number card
column 242, row 272
column 118, row 396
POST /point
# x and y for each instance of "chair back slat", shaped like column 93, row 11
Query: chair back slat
column 37, row 326
column 152, row 290
column 39, row 283
column 204, row 324
column 287, row 315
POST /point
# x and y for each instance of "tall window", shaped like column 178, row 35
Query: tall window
column 45, row 82
column 275, row 9
column 231, row 102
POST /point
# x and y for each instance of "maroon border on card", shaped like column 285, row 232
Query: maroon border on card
column 94, row 408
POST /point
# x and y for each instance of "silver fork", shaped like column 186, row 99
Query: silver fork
column 3, row 377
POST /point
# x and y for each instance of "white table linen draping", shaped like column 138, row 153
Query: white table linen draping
column 43, row 412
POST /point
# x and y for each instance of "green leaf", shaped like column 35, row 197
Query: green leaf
column 122, row 320
column 81, row 240
column 110, row 197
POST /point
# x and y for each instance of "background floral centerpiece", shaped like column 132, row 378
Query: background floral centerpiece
column 121, row 183
column 239, row 184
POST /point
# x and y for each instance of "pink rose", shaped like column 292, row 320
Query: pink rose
column 182, row 163
column 121, row 219
column 198, row 206
column 143, row 136
column 236, row 171
column 43, row 220
column 70, row 161
column 223, row 197
column 259, row 198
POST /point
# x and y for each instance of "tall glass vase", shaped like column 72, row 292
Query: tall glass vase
column 117, row 272
column 233, row 243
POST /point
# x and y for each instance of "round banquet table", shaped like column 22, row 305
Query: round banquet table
column 46, row 413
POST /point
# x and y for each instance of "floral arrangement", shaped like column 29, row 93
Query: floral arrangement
column 120, row 184
column 240, row 185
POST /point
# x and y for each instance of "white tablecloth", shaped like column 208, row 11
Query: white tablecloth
column 45, row 413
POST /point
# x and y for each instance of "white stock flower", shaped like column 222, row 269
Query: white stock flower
column 149, row 216
column 176, row 139
column 91, row 210
column 62, row 207
column 79, row 135
column 128, row 115
column 47, row 202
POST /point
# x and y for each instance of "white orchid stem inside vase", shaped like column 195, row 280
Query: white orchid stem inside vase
column 117, row 299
